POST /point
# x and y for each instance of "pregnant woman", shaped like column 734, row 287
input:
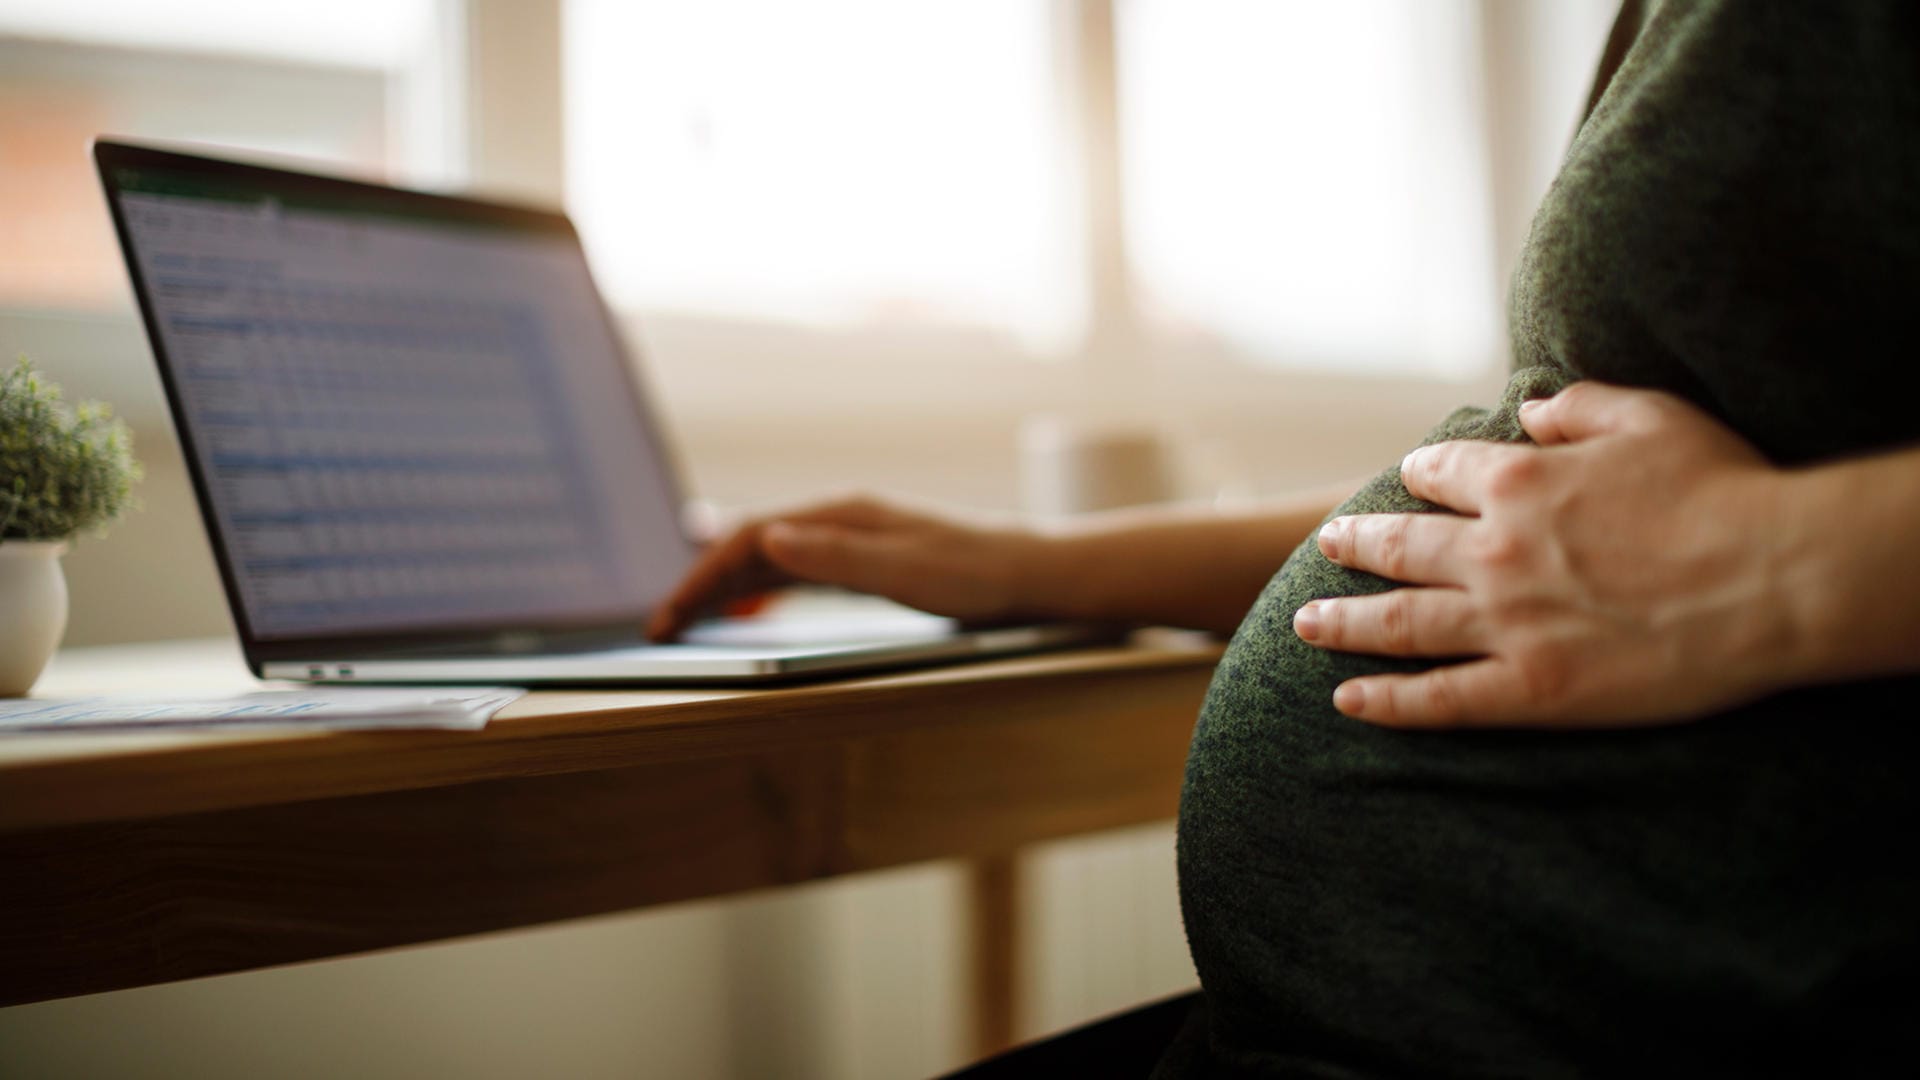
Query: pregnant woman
column 1583, row 740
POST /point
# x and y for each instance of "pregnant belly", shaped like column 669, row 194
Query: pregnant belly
column 1468, row 903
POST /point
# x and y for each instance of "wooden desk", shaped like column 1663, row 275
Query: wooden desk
column 137, row 859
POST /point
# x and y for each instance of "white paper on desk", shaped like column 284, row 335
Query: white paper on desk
column 343, row 709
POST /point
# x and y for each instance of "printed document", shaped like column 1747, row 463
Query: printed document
column 342, row 709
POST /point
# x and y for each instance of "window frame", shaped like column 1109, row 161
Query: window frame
column 1120, row 363
column 493, row 87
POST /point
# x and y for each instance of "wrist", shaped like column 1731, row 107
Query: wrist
column 1807, row 600
column 1045, row 575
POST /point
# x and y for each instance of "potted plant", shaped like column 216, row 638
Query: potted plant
column 63, row 473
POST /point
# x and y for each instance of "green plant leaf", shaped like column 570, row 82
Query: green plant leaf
column 63, row 473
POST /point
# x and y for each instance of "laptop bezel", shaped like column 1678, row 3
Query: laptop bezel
column 112, row 155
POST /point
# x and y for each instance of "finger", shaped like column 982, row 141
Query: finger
column 856, row 511
column 1479, row 693
column 1420, row 549
column 869, row 562
column 737, row 567
column 704, row 521
column 729, row 569
column 1588, row 410
column 1404, row 622
column 1462, row 475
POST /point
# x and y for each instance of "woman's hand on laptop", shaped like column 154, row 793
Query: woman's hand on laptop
column 928, row 560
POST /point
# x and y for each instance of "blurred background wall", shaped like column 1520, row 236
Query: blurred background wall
column 855, row 244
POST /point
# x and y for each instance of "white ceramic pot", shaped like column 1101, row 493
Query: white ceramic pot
column 33, row 610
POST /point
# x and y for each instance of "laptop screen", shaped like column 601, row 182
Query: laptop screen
column 406, row 414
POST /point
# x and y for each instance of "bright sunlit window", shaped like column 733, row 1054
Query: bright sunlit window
column 832, row 162
column 1300, row 184
column 1308, row 180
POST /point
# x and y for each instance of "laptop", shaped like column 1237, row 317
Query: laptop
column 420, row 450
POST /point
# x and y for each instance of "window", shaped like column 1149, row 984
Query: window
column 832, row 162
column 1296, row 184
column 1302, row 184
column 1308, row 180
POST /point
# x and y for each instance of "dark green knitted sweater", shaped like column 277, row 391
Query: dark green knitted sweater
column 1737, row 221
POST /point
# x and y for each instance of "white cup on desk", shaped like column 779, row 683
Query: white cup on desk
column 1070, row 466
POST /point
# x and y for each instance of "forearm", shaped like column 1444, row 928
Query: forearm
column 1846, row 567
column 1195, row 567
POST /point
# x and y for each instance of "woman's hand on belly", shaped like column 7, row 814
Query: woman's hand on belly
column 1630, row 570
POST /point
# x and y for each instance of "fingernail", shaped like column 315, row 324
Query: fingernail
column 1331, row 536
column 1306, row 622
column 1350, row 698
column 1408, row 462
column 1531, row 404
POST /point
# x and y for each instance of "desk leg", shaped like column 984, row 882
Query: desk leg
column 993, row 905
